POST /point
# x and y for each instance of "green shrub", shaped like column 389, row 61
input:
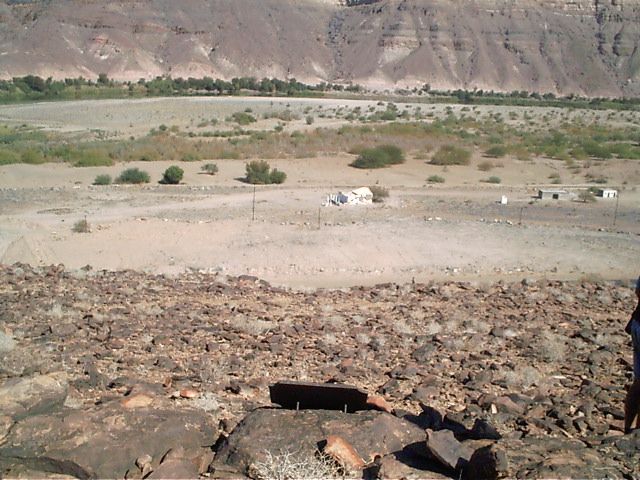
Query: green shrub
column 190, row 157
column 379, row 157
column 8, row 157
column 103, row 179
column 259, row 172
column 379, row 193
column 393, row 152
column 210, row 168
column 493, row 180
column 435, row 179
column 485, row 166
column 93, row 158
column 496, row 151
column 451, row 155
column 172, row 175
column 371, row 158
column 309, row 119
column 32, row 157
column 133, row 176
column 243, row 118
column 277, row 176
column 597, row 150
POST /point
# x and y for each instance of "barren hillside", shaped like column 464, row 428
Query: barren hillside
column 584, row 46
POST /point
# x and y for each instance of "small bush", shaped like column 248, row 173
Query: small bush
column 190, row 157
column 370, row 158
column 587, row 196
column 435, row 179
column 103, row 179
column 379, row 193
column 485, row 166
column 210, row 168
column 32, row 157
column 277, row 176
column 295, row 465
column 93, row 158
column 81, row 226
column 309, row 119
column 393, row 152
column 8, row 157
column 379, row 157
column 172, row 175
column 451, row 155
column 133, row 176
column 496, row 151
column 243, row 118
column 259, row 172
column 493, row 180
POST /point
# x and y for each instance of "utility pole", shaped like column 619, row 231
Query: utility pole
column 615, row 212
column 319, row 208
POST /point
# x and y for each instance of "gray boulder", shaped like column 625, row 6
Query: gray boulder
column 20, row 397
column 7, row 343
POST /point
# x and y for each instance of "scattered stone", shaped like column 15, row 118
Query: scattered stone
column 445, row 448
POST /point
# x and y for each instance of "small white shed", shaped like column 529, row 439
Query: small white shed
column 358, row 196
column 607, row 193
column 552, row 194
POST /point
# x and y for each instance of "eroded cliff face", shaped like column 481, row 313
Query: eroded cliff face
column 583, row 46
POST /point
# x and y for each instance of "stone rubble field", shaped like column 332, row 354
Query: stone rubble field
column 125, row 374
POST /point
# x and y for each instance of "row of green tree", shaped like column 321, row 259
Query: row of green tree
column 33, row 87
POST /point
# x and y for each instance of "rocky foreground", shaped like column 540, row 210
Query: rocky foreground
column 123, row 374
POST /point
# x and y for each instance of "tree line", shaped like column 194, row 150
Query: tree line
column 32, row 87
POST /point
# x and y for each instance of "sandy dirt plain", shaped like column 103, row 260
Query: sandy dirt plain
column 455, row 230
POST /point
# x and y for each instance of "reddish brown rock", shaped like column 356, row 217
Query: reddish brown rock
column 343, row 453
column 137, row 401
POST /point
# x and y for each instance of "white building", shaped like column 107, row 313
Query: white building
column 607, row 193
column 359, row 196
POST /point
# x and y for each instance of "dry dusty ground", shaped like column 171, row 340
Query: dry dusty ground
column 422, row 232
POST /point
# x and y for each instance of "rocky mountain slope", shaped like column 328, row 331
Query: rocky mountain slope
column 104, row 374
column 582, row 46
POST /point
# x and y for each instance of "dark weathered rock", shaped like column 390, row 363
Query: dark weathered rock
column 449, row 451
column 105, row 441
column 275, row 430
column 486, row 463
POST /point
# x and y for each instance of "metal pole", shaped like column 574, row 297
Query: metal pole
column 319, row 208
column 520, row 217
column 615, row 212
column 253, row 207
